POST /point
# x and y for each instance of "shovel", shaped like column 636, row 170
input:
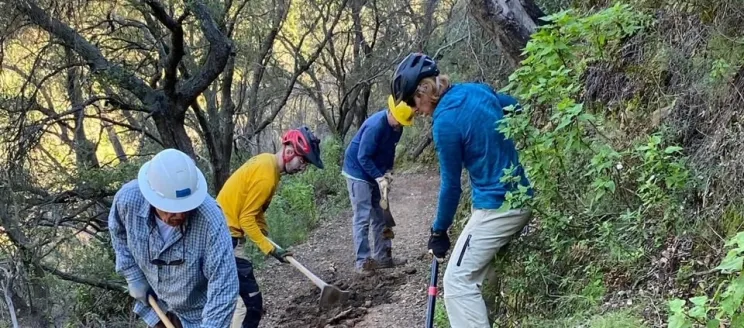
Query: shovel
column 329, row 294
column 159, row 311
column 386, row 215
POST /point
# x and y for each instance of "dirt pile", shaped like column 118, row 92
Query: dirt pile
column 392, row 298
column 366, row 292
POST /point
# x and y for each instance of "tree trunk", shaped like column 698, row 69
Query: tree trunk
column 423, row 144
column 7, row 286
column 511, row 22
column 121, row 155
column 226, row 133
column 425, row 33
column 85, row 150
column 169, row 120
column 363, row 105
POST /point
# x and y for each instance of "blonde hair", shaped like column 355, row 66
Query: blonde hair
column 433, row 87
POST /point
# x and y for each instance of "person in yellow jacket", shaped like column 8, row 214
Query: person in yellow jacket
column 244, row 199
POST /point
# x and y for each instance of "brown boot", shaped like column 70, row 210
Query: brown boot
column 389, row 261
column 367, row 269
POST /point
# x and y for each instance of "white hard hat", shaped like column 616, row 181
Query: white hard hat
column 172, row 183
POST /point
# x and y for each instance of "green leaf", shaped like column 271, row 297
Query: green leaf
column 738, row 239
column 699, row 312
column 679, row 321
column 737, row 320
column 699, row 300
column 732, row 298
column 672, row 149
column 731, row 264
column 610, row 185
column 676, row 305
column 713, row 323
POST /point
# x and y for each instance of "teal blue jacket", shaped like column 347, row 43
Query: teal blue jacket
column 465, row 133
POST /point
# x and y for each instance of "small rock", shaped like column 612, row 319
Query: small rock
column 410, row 270
column 368, row 304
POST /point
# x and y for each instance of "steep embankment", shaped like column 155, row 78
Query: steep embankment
column 391, row 298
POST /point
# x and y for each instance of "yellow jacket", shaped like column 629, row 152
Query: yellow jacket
column 245, row 197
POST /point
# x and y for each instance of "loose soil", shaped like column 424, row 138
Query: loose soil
column 392, row 298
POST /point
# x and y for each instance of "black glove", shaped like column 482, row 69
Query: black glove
column 279, row 253
column 439, row 243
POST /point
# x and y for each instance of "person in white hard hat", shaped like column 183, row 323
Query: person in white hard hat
column 171, row 242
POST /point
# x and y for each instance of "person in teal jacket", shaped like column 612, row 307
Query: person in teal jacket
column 465, row 120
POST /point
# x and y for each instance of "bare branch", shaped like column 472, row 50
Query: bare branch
column 259, row 65
column 177, row 46
column 300, row 70
column 220, row 48
column 103, row 284
column 100, row 66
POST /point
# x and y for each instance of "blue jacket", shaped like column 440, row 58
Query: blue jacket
column 372, row 151
column 465, row 124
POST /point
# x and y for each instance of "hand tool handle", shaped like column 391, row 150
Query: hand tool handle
column 315, row 279
column 432, row 293
column 161, row 314
column 384, row 198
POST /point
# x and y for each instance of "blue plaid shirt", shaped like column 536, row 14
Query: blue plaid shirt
column 202, row 291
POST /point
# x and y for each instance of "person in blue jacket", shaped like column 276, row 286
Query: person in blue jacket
column 368, row 161
column 465, row 121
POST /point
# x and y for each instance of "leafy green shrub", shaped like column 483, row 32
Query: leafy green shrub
column 292, row 213
column 725, row 307
column 601, row 195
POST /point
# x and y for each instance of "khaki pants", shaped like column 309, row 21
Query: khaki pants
column 484, row 234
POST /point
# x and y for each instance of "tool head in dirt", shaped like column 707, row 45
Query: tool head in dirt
column 330, row 295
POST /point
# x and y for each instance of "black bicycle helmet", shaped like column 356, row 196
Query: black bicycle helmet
column 414, row 68
column 305, row 143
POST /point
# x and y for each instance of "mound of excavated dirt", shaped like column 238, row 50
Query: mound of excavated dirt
column 391, row 298
column 365, row 292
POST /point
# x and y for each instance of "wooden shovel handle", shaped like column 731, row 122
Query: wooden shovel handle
column 315, row 279
column 161, row 314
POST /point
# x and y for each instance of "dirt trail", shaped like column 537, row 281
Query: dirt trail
column 391, row 298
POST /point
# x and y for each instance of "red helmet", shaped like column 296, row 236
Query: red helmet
column 305, row 143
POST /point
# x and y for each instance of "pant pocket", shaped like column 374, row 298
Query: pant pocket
column 464, row 248
column 246, row 280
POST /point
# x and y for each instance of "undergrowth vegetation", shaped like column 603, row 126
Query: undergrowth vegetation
column 725, row 305
column 616, row 187
column 604, row 199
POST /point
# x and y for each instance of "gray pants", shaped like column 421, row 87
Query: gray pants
column 365, row 202
column 485, row 232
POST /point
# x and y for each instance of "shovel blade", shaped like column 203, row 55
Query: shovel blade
column 330, row 295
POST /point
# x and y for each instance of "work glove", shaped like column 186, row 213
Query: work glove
column 383, row 182
column 439, row 243
column 280, row 254
column 140, row 290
